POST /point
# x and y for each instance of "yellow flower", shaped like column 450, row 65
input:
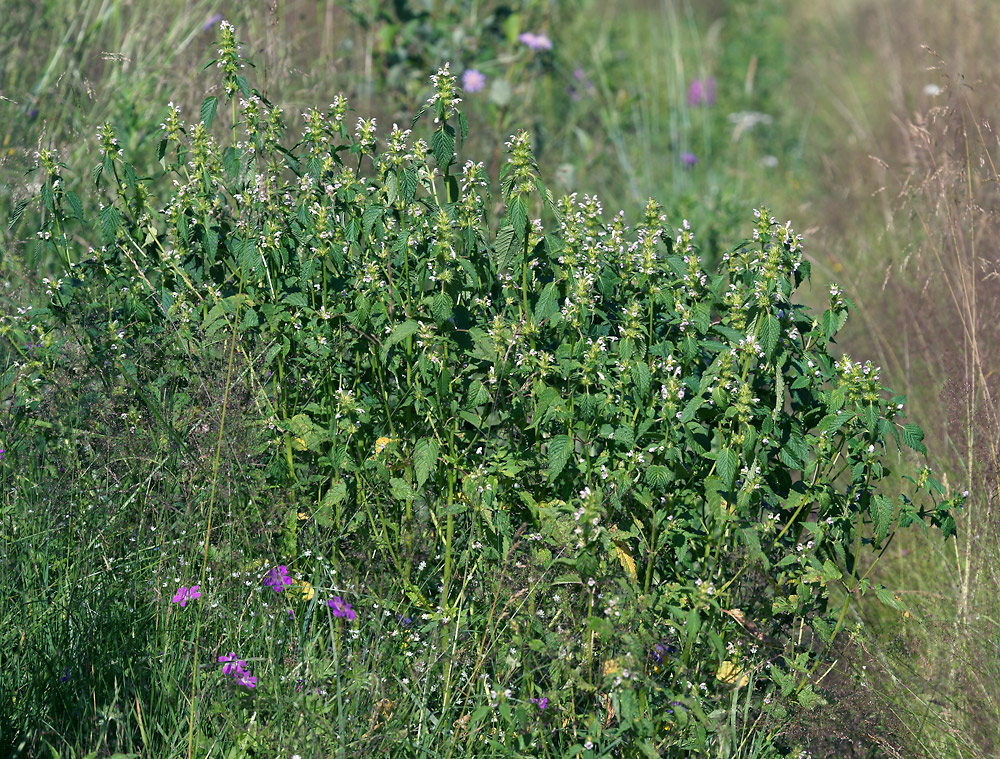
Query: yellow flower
column 306, row 589
column 381, row 443
column 730, row 673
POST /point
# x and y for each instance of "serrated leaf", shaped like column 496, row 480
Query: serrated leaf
column 110, row 222
column 443, row 146
column 402, row 490
column 658, row 476
column 441, row 307
column 626, row 560
column 74, row 200
column 641, row 378
column 400, row 332
column 727, row 464
column 478, row 395
column 560, row 449
column 408, row 184
column 425, row 455
column 770, row 331
column 547, row 302
column 370, row 216
column 882, row 511
column 505, row 248
column 912, row 435
column 208, row 106
column 517, row 215
column 307, row 434
column 691, row 409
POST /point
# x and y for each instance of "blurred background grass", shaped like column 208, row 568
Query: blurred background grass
column 868, row 123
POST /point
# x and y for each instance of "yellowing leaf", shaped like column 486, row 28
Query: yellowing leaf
column 730, row 673
column 612, row 667
column 627, row 562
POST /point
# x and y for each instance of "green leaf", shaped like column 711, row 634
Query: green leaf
column 505, row 248
column 208, row 106
column 408, row 184
column 74, row 200
column 517, row 215
column 443, row 146
column 882, row 511
column 548, row 302
column 478, row 395
column 560, row 449
column 728, row 463
column 441, row 307
column 912, row 435
column 658, row 476
column 770, row 331
column 641, row 378
column 402, row 490
column 425, row 455
column 307, row 434
column 400, row 332
column 110, row 222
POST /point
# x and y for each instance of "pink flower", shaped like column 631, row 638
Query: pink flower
column 702, row 92
column 473, row 80
column 185, row 594
column 536, row 41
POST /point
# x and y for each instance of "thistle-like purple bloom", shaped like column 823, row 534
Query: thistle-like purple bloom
column 278, row 578
column 688, row 159
column 473, row 80
column 702, row 92
column 185, row 594
column 341, row 608
column 536, row 41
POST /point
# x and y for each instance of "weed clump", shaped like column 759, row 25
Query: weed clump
column 628, row 498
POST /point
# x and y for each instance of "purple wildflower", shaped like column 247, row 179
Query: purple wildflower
column 473, row 80
column 237, row 668
column 702, row 92
column 185, row 594
column 688, row 159
column 536, row 41
column 341, row 608
column 212, row 21
column 278, row 578
column 541, row 703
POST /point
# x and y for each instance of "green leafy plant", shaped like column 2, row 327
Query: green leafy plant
column 672, row 451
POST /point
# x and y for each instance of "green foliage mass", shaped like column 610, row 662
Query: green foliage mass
column 674, row 449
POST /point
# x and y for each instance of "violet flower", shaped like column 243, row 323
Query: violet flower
column 341, row 608
column 278, row 578
column 185, row 594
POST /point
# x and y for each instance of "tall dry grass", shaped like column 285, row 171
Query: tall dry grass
column 909, row 224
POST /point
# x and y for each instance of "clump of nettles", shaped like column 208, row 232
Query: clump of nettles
column 679, row 444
